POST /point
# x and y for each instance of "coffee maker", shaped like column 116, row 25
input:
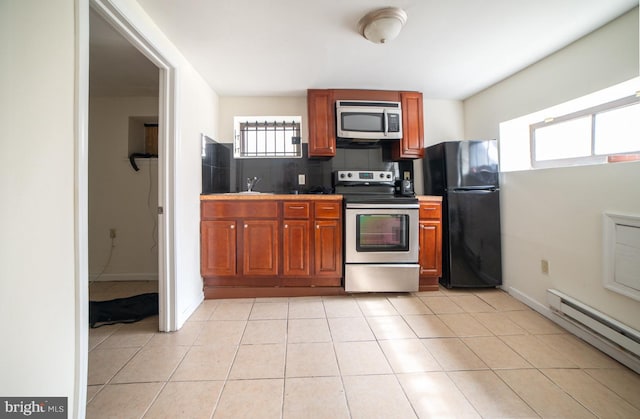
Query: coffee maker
column 404, row 187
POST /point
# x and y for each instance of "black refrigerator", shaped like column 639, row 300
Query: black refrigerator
column 465, row 174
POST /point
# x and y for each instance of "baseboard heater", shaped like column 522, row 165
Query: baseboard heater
column 596, row 322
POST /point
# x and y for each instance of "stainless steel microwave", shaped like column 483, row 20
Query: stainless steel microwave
column 368, row 120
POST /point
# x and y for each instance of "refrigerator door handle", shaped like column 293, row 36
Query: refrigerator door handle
column 479, row 190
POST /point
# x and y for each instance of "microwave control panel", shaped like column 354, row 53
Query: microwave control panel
column 394, row 122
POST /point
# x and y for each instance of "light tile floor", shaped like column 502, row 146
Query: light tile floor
column 441, row 354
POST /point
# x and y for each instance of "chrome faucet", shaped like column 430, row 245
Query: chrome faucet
column 251, row 183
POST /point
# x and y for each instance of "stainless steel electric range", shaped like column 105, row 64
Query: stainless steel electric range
column 380, row 233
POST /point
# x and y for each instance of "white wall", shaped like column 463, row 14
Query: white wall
column 231, row 106
column 37, row 261
column 443, row 121
column 120, row 197
column 37, row 160
column 555, row 214
column 196, row 111
column 197, row 114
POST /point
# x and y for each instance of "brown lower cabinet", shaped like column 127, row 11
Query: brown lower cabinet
column 430, row 240
column 218, row 248
column 272, row 243
column 327, row 233
column 297, row 242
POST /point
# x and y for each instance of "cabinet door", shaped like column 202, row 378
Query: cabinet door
column 328, row 248
column 218, row 248
column 412, row 144
column 430, row 248
column 296, row 248
column 260, row 247
column 321, row 117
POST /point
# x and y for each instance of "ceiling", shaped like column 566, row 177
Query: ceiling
column 447, row 50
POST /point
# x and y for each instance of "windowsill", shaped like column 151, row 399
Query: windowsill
column 623, row 157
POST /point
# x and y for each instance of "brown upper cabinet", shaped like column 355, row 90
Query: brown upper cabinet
column 412, row 144
column 322, row 123
column 322, row 120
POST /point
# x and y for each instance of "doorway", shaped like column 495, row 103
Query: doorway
column 134, row 69
column 123, row 194
column 165, row 176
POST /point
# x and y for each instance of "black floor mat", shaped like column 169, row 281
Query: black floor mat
column 123, row 310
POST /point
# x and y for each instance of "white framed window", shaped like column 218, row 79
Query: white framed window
column 598, row 128
column 267, row 137
column 587, row 136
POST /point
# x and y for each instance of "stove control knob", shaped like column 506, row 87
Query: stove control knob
column 341, row 175
column 388, row 175
column 382, row 175
column 349, row 174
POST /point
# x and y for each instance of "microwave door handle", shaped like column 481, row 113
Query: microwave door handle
column 384, row 122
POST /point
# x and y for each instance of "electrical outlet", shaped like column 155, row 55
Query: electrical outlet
column 302, row 179
column 112, row 233
column 544, row 266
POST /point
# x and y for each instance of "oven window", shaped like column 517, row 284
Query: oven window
column 382, row 233
column 362, row 122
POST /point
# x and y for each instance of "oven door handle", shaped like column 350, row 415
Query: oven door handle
column 381, row 206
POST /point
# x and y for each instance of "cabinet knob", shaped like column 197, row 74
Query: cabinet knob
column 286, row 226
column 318, row 226
column 233, row 226
column 246, row 225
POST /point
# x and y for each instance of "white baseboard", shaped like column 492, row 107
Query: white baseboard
column 124, row 277
column 188, row 311
column 583, row 333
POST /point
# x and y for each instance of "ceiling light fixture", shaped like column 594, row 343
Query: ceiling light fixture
column 382, row 25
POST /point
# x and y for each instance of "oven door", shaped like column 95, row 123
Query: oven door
column 381, row 233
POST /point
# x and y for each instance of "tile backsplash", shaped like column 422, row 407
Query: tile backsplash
column 222, row 173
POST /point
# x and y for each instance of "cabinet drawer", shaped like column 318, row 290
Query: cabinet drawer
column 430, row 211
column 297, row 209
column 331, row 209
column 239, row 209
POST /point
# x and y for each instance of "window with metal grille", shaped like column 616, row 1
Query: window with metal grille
column 267, row 136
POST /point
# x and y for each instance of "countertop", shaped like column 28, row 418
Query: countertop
column 292, row 197
column 269, row 197
column 429, row 198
